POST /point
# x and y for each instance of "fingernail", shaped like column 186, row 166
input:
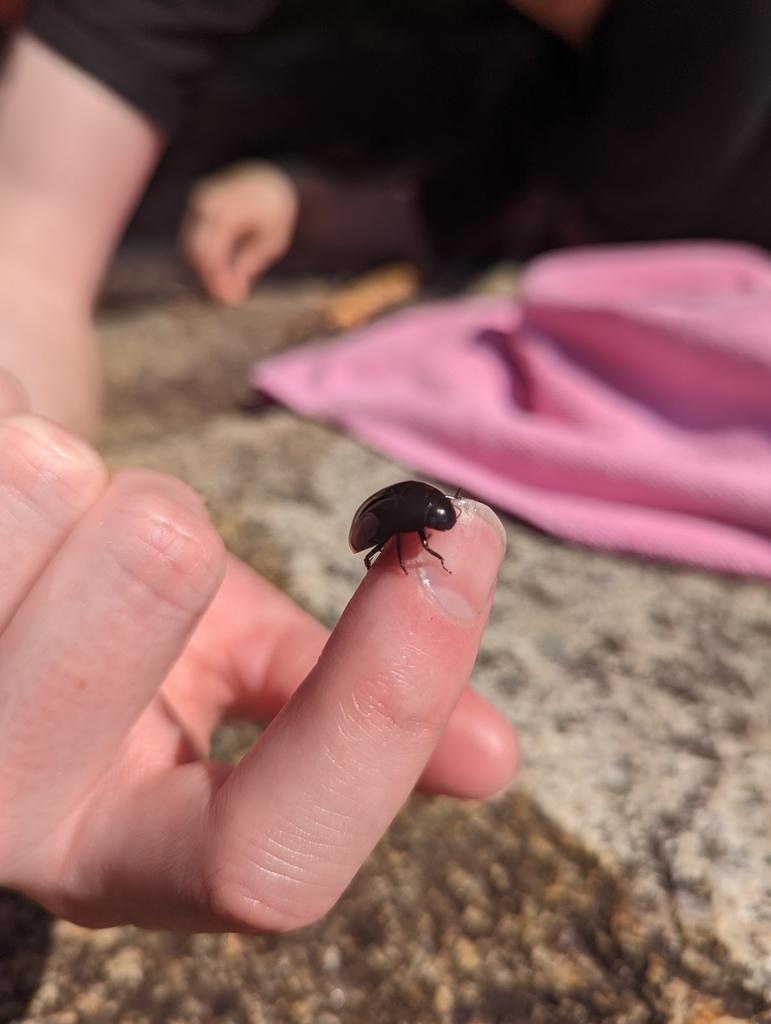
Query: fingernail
column 472, row 552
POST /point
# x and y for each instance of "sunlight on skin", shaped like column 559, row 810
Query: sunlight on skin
column 572, row 20
column 104, row 627
column 238, row 223
column 74, row 159
column 122, row 620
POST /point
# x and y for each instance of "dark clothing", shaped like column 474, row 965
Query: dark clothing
column 660, row 128
column 149, row 51
column 678, row 122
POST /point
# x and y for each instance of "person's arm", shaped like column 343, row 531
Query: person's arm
column 74, row 157
column 87, row 95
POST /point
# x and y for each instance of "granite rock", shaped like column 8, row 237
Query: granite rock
column 626, row 880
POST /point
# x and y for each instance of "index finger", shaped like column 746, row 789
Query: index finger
column 307, row 804
column 272, row 843
column 254, row 647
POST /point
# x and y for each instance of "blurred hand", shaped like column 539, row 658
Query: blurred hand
column 237, row 225
column 114, row 674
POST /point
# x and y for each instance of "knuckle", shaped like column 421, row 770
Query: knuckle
column 167, row 549
column 395, row 705
column 248, row 908
column 265, row 879
column 47, row 466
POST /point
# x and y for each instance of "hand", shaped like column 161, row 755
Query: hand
column 238, row 224
column 114, row 675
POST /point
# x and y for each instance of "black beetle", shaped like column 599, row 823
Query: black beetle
column 408, row 507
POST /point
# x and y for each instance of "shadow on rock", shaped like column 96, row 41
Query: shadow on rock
column 25, row 937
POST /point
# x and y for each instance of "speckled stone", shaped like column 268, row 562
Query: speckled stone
column 626, row 881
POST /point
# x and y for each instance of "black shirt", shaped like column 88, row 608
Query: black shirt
column 149, row 51
column 660, row 128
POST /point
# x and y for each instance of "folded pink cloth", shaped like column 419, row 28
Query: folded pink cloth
column 624, row 403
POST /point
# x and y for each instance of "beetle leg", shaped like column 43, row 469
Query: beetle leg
column 399, row 553
column 424, row 542
column 368, row 558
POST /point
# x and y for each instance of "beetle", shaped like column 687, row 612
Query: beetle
column 407, row 507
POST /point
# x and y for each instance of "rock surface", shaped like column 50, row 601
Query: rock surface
column 627, row 880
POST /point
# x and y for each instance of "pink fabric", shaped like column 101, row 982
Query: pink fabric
column 624, row 403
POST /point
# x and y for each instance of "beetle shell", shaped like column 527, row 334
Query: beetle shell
column 407, row 507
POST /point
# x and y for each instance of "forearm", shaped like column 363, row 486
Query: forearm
column 74, row 157
column 85, row 99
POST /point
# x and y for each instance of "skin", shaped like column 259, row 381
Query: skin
column 74, row 160
column 572, row 20
column 241, row 221
column 127, row 634
column 238, row 224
